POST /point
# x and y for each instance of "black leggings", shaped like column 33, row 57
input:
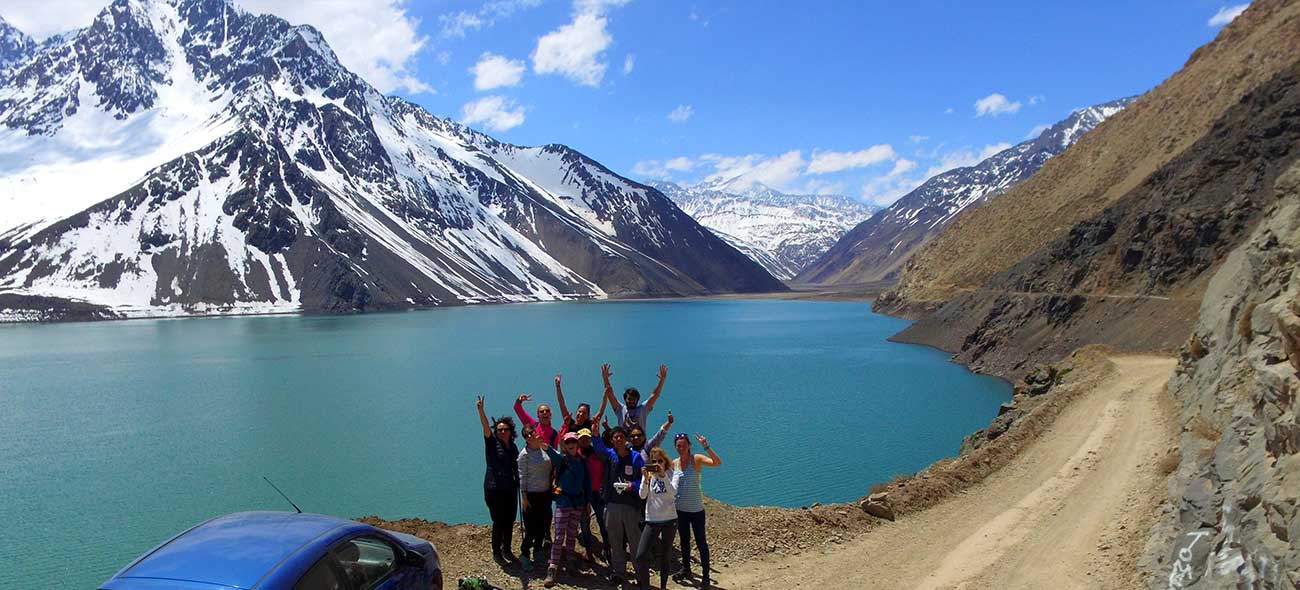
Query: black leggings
column 660, row 535
column 537, row 524
column 693, row 522
column 501, row 505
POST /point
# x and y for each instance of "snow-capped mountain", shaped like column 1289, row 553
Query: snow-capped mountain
column 782, row 232
column 15, row 46
column 877, row 248
column 186, row 156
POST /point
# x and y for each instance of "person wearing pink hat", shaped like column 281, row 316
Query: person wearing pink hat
column 573, row 484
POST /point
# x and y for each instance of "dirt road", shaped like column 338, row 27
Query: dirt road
column 1071, row 512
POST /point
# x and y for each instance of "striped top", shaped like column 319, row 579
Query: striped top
column 690, row 492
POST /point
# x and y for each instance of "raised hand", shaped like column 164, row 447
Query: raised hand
column 704, row 442
column 663, row 372
column 670, row 417
column 606, row 372
column 523, row 397
column 557, row 381
column 479, row 403
column 604, row 423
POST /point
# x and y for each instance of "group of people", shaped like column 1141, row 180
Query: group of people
column 638, row 494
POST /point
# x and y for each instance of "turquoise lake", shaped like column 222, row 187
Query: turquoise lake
column 116, row 435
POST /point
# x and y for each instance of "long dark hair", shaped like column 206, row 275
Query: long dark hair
column 508, row 421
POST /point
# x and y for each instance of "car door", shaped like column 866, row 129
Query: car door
column 373, row 563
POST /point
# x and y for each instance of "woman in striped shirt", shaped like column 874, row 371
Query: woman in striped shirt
column 690, row 502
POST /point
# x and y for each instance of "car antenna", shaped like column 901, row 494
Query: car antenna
column 286, row 498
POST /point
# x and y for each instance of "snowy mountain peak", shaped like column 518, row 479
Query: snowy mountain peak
column 15, row 46
column 877, row 248
column 783, row 232
column 185, row 156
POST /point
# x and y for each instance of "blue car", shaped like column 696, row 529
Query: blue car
column 284, row 551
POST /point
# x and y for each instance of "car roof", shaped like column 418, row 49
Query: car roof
column 238, row 550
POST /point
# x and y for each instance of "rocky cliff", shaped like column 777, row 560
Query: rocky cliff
column 1234, row 520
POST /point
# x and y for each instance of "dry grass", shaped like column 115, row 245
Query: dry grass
column 899, row 479
column 1243, row 321
column 1195, row 347
column 1169, row 463
column 1204, row 429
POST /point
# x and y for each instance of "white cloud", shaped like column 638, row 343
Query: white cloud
column 377, row 39
column 1226, row 14
column 680, row 164
column 918, row 138
column 995, row 104
column 629, row 62
column 663, row 169
column 1037, row 130
column 681, row 113
column 964, row 157
column 826, row 162
column 496, row 113
column 948, row 111
column 1035, row 99
column 883, row 190
column 458, row 24
column 743, row 171
column 821, row 187
column 574, row 50
column 495, row 71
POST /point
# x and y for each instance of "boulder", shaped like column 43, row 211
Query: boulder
column 878, row 506
column 1040, row 380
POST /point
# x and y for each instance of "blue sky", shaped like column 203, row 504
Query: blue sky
column 860, row 98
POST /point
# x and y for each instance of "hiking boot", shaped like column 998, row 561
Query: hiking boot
column 681, row 575
column 551, row 572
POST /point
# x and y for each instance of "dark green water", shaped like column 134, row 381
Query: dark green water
column 114, row 436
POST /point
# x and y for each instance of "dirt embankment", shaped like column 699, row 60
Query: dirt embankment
column 1081, row 455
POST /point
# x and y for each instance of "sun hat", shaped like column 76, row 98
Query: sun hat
column 581, row 433
column 571, row 436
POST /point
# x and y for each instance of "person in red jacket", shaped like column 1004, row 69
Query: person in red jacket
column 550, row 436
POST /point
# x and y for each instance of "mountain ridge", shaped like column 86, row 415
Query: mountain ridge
column 782, row 231
column 876, row 249
column 261, row 175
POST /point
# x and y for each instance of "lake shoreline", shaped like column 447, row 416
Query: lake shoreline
column 745, row 535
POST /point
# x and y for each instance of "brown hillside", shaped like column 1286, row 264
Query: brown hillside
column 1107, row 163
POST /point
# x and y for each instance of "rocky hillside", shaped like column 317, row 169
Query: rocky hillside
column 1106, row 165
column 185, row 156
column 15, row 46
column 1133, row 275
column 876, row 249
column 783, row 232
column 1235, row 520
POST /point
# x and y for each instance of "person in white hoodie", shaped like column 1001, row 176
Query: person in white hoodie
column 659, row 490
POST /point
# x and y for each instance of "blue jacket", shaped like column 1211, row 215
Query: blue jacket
column 633, row 462
column 574, row 482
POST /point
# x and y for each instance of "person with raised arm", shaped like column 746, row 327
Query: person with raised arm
column 543, row 421
column 690, row 503
column 622, row 502
column 583, row 419
column 631, row 411
column 536, row 468
column 501, row 481
column 659, row 483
